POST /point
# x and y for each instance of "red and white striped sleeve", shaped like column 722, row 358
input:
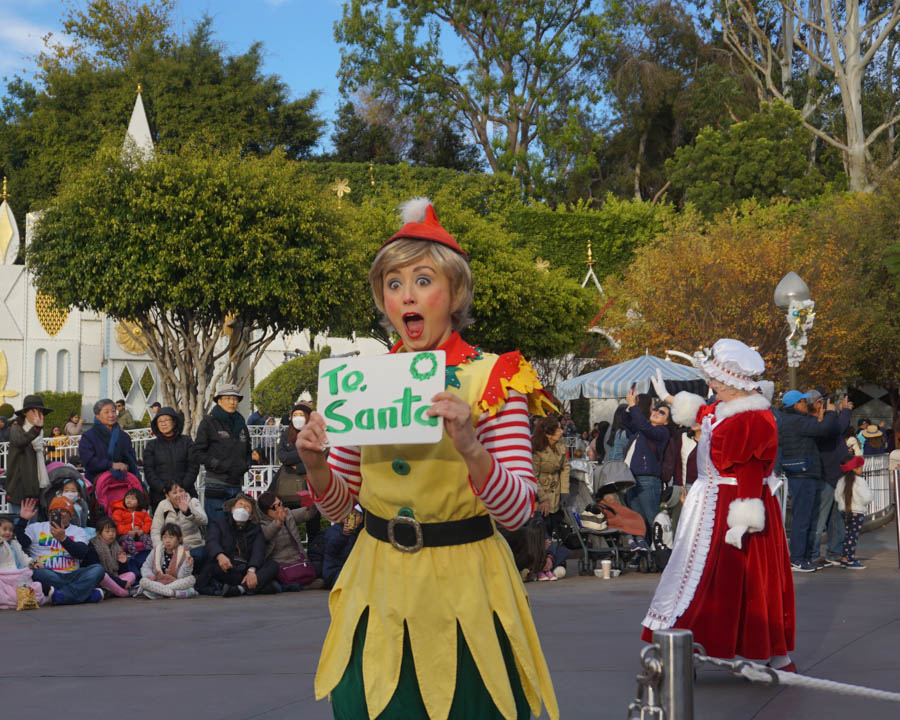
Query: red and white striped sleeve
column 508, row 494
column 343, row 488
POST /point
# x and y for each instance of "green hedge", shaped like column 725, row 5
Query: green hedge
column 63, row 404
column 560, row 236
column 484, row 193
column 276, row 394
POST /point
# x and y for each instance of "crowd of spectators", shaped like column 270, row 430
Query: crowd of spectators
column 116, row 528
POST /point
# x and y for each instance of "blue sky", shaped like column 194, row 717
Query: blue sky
column 297, row 35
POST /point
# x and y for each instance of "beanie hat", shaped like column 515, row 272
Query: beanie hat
column 63, row 503
column 421, row 223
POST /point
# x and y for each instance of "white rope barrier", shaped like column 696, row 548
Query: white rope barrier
column 763, row 674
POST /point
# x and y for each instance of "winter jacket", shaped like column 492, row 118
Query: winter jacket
column 73, row 429
column 22, row 464
column 862, row 496
column 126, row 420
column 283, row 542
column 833, row 449
column 224, row 536
column 337, row 550
column 649, row 442
column 551, row 470
column 107, row 555
column 12, row 556
column 126, row 520
column 225, row 457
column 93, row 449
column 797, row 436
column 170, row 458
column 288, row 455
column 152, row 567
column 190, row 522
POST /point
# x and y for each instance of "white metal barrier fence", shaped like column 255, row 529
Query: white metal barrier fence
column 263, row 438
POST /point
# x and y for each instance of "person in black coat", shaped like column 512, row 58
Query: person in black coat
column 223, row 448
column 798, row 432
column 237, row 552
column 168, row 456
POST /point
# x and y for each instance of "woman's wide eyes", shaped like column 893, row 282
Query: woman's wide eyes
column 422, row 281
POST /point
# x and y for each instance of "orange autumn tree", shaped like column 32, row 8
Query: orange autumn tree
column 702, row 280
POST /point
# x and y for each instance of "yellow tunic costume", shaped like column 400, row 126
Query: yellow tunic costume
column 432, row 590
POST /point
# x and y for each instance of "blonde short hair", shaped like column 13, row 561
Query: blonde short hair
column 404, row 251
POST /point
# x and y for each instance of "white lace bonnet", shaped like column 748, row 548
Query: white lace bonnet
column 733, row 363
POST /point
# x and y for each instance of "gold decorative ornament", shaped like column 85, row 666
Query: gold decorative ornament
column 590, row 256
column 341, row 187
column 127, row 335
column 4, row 376
column 4, row 195
column 542, row 265
column 51, row 317
column 372, row 174
column 139, row 89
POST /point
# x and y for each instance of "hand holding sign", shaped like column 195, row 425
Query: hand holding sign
column 457, row 421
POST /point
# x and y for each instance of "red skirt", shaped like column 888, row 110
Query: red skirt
column 744, row 604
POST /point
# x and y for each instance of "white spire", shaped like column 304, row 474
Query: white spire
column 138, row 135
column 9, row 231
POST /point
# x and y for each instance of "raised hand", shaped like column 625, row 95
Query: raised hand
column 457, row 416
column 28, row 508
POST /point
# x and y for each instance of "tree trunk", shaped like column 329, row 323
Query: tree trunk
column 787, row 56
column 642, row 146
column 850, row 79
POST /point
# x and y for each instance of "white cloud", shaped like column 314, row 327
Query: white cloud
column 21, row 35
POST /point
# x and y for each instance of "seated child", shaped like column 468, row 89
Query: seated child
column 168, row 569
column 133, row 522
column 15, row 567
column 554, row 567
column 118, row 580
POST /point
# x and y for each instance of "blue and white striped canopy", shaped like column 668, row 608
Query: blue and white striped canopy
column 615, row 381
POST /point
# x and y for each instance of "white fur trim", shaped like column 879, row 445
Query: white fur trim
column 414, row 210
column 755, row 401
column 749, row 513
column 685, row 408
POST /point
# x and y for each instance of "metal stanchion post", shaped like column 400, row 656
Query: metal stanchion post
column 676, row 651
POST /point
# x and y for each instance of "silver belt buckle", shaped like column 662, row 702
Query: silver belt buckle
column 414, row 524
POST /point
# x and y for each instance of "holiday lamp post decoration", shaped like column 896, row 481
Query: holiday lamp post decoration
column 792, row 295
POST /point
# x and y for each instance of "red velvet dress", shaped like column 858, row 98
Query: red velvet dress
column 736, row 601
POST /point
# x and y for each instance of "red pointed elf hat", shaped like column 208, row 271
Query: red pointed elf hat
column 421, row 223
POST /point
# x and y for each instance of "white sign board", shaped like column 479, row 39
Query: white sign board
column 381, row 400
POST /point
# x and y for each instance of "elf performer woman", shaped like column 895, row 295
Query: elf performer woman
column 729, row 577
column 429, row 617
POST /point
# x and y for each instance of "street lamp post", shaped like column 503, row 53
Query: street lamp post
column 792, row 296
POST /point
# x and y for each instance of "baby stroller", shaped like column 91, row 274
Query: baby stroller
column 595, row 539
column 663, row 535
column 59, row 474
column 109, row 489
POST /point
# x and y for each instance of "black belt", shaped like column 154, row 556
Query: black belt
column 409, row 535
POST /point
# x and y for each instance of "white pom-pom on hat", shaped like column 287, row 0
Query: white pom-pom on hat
column 421, row 223
column 413, row 211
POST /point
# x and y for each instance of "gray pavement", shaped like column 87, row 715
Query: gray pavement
column 244, row 658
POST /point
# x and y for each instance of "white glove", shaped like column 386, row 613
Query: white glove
column 660, row 386
column 734, row 535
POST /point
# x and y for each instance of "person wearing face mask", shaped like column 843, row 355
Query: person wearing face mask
column 291, row 477
column 167, row 458
column 236, row 550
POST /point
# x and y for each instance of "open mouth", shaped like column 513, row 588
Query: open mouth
column 414, row 323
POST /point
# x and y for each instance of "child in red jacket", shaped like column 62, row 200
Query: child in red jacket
column 133, row 522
